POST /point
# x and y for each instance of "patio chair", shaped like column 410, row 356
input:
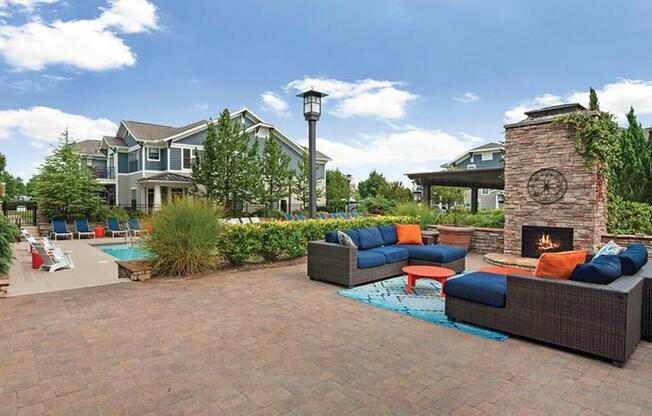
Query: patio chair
column 113, row 226
column 60, row 228
column 322, row 216
column 255, row 220
column 54, row 260
column 133, row 226
column 289, row 217
column 82, row 228
column 245, row 220
column 233, row 221
column 343, row 216
column 31, row 241
column 299, row 216
column 334, row 216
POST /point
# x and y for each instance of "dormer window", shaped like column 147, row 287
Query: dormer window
column 153, row 154
column 487, row 156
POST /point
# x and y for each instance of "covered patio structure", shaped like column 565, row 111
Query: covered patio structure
column 162, row 188
column 473, row 179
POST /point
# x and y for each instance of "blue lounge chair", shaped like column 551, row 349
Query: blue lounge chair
column 322, row 215
column 60, row 228
column 343, row 216
column 113, row 227
column 289, row 217
column 133, row 226
column 299, row 216
column 82, row 228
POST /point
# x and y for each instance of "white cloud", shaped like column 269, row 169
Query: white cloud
column 274, row 103
column 396, row 152
column 43, row 125
column 86, row 44
column 616, row 97
column 383, row 100
column 467, row 97
column 27, row 5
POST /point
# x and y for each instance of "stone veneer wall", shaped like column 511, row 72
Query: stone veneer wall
column 536, row 144
column 487, row 240
column 625, row 240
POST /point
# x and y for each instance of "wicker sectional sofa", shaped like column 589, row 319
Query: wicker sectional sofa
column 332, row 262
column 606, row 320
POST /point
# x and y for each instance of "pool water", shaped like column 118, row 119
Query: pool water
column 125, row 251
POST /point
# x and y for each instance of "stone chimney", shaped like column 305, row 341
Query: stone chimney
column 537, row 153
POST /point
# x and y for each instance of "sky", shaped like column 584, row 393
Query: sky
column 412, row 84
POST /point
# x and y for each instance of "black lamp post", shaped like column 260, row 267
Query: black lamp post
column 311, row 112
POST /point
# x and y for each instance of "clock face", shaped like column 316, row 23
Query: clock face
column 547, row 186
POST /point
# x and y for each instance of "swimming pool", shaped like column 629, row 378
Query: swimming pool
column 125, row 251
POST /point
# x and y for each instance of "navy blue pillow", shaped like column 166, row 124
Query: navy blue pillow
column 388, row 232
column 369, row 238
column 633, row 258
column 331, row 237
column 602, row 270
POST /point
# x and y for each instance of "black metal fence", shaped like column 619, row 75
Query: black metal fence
column 22, row 213
column 104, row 173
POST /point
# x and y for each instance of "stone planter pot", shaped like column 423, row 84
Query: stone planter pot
column 455, row 236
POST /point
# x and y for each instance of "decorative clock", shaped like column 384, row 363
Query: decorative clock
column 547, row 186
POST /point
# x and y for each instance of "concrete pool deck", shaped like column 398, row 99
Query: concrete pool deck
column 93, row 267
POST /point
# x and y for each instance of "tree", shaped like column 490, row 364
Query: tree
column 371, row 186
column 448, row 196
column 14, row 185
column 3, row 162
column 301, row 182
column 275, row 172
column 229, row 169
column 65, row 185
column 631, row 175
column 594, row 104
column 395, row 192
column 338, row 190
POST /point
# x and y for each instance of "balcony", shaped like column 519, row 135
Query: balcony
column 104, row 173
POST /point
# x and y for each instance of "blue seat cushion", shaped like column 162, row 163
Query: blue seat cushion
column 486, row 288
column 331, row 237
column 367, row 259
column 633, row 258
column 388, row 232
column 369, row 238
column 601, row 270
column 392, row 254
column 436, row 253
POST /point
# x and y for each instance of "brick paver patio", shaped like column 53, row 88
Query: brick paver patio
column 270, row 342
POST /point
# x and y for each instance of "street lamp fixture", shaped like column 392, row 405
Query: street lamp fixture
column 312, row 112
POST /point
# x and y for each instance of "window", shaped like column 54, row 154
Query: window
column 187, row 159
column 134, row 201
column 153, row 154
column 484, row 191
column 134, row 163
column 470, row 167
column 487, row 156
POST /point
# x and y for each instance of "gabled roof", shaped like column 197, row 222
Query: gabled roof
column 114, row 141
column 89, row 147
column 155, row 132
column 492, row 146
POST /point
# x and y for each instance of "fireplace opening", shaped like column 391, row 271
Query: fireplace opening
column 538, row 240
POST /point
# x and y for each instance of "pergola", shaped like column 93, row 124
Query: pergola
column 474, row 179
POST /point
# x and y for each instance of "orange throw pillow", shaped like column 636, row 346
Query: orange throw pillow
column 408, row 234
column 559, row 265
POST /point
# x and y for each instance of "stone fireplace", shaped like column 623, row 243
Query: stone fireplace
column 539, row 240
column 549, row 187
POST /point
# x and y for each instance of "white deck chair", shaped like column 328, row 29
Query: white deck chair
column 245, row 220
column 233, row 221
column 255, row 220
column 55, row 260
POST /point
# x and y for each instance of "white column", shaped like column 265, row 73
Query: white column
column 157, row 197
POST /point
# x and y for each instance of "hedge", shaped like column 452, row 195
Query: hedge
column 8, row 234
column 628, row 217
column 287, row 239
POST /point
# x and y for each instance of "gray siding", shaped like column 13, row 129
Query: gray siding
column 175, row 158
column 123, row 163
column 129, row 140
column 158, row 165
column 248, row 122
column 194, row 139
column 476, row 159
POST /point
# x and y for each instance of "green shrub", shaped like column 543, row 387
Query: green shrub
column 376, row 205
column 269, row 213
column 107, row 211
column 427, row 216
column 8, row 234
column 184, row 237
column 489, row 218
column 287, row 239
column 627, row 217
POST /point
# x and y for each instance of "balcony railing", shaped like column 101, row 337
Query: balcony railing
column 104, row 173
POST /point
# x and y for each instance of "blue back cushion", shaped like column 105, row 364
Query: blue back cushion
column 601, row 270
column 486, row 288
column 331, row 237
column 355, row 236
column 633, row 258
column 388, row 232
column 369, row 238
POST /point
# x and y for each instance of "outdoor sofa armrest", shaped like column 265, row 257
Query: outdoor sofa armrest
column 329, row 261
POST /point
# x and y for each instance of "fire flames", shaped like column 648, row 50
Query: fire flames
column 546, row 243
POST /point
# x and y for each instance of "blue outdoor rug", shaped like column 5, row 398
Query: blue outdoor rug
column 425, row 303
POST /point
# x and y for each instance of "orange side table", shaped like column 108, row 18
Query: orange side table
column 440, row 274
column 99, row 231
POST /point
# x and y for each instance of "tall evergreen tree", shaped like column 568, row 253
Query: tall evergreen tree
column 229, row 168
column 594, row 104
column 338, row 190
column 301, row 182
column 371, row 186
column 3, row 162
column 65, row 185
column 632, row 175
column 275, row 172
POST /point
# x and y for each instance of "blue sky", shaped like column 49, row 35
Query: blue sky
column 412, row 83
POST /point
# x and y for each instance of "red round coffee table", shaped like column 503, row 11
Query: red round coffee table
column 440, row 274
